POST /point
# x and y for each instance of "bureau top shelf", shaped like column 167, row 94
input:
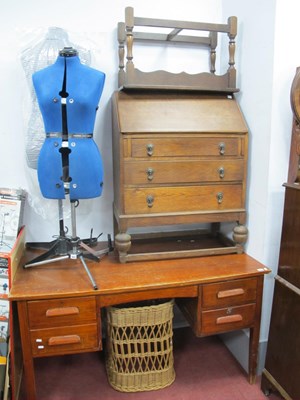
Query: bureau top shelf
column 200, row 35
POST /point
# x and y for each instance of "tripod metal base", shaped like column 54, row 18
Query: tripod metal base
column 64, row 248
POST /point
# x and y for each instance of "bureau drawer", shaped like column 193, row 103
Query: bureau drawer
column 64, row 340
column 60, row 312
column 229, row 293
column 185, row 146
column 152, row 172
column 183, row 198
column 227, row 319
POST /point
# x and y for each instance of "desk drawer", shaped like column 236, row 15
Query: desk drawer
column 64, row 340
column 61, row 312
column 227, row 319
column 229, row 293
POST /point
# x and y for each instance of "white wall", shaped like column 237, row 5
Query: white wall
column 255, row 73
column 268, row 35
column 255, row 55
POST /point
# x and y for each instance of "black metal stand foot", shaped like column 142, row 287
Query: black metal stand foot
column 69, row 247
column 64, row 248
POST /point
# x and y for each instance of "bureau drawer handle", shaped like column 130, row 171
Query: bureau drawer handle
column 220, row 197
column 61, row 311
column 229, row 318
column 222, row 148
column 62, row 340
column 230, row 293
column 150, row 148
column 221, row 171
column 150, row 173
column 150, row 200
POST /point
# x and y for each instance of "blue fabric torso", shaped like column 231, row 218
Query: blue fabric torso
column 84, row 86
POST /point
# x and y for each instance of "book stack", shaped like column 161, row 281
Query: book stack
column 12, row 203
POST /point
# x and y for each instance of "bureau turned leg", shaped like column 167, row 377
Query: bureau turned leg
column 240, row 237
column 122, row 244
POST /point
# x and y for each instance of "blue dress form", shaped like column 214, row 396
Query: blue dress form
column 84, row 86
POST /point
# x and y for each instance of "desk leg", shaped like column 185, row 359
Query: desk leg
column 254, row 333
column 26, row 350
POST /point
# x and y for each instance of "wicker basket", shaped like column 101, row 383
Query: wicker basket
column 140, row 348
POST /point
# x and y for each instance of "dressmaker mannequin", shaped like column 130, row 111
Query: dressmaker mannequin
column 69, row 161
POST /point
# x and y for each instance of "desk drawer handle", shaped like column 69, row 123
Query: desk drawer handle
column 62, row 340
column 229, row 318
column 230, row 293
column 61, row 311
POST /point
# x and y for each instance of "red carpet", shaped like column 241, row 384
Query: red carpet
column 205, row 370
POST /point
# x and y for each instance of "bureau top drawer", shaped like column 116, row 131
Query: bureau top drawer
column 234, row 292
column 184, row 146
column 61, row 312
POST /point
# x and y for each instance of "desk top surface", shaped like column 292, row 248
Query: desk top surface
column 68, row 278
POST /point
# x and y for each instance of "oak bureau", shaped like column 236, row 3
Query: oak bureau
column 179, row 159
column 180, row 144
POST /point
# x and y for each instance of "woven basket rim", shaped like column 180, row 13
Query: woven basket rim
column 137, row 308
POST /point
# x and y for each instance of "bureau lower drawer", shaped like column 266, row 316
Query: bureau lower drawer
column 183, row 198
column 61, row 312
column 227, row 319
column 152, row 172
column 64, row 340
column 229, row 293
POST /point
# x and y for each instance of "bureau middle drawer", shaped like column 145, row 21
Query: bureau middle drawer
column 60, row 312
column 233, row 292
column 64, row 340
column 183, row 198
column 144, row 172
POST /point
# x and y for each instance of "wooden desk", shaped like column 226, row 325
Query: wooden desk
column 59, row 311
